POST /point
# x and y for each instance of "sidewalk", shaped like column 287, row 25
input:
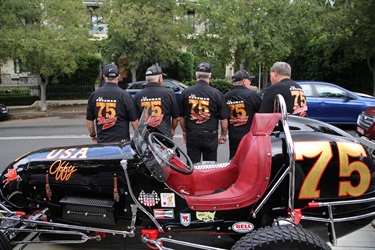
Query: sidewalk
column 54, row 108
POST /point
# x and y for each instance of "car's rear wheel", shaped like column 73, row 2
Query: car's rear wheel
column 281, row 237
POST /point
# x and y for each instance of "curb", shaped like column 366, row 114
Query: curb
column 65, row 108
column 25, row 116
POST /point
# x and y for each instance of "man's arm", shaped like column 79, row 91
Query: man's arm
column 224, row 131
column 91, row 127
column 135, row 124
column 174, row 125
column 183, row 128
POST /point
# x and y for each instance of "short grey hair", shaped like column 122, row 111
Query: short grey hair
column 237, row 82
column 282, row 68
column 154, row 78
column 203, row 75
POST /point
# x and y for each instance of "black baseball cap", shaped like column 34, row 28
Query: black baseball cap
column 154, row 70
column 240, row 75
column 111, row 71
column 204, row 67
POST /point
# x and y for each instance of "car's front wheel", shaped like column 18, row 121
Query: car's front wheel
column 4, row 242
column 281, row 237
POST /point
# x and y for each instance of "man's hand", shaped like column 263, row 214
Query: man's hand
column 222, row 139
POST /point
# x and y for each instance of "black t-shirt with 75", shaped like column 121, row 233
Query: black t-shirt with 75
column 293, row 94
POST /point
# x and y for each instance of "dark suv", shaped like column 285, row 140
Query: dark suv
column 366, row 129
column 176, row 86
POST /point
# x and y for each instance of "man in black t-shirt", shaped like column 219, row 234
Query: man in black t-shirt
column 110, row 109
column 243, row 103
column 160, row 103
column 201, row 109
column 292, row 92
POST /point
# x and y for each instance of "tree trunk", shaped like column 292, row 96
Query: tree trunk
column 134, row 73
column 134, row 70
column 43, row 95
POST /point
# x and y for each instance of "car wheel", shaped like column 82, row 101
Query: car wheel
column 4, row 242
column 281, row 237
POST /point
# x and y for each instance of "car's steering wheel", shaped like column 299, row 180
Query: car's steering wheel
column 166, row 150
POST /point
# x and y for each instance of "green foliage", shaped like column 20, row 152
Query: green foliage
column 143, row 31
column 11, row 96
column 87, row 74
column 221, row 84
column 340, row 49
column 252, row 32
column 48, row 36
column 19, row 100
column 14, row 91
column 322, row 40
column 190, row 83
column 217, row 65
column 185, row 66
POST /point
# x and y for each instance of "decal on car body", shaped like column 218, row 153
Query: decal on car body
column 68, row 153
column 11, row 175
column 349, row 155
column 163, row 213
column 62, row 170
column 242, row 227
column 167, row 200
column 185, row 219
column 147, row 199
column 205, row 216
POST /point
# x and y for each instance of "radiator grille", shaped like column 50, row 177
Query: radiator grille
column 365, row 120
column 93, row 211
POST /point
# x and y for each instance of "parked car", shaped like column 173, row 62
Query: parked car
column 4, row 112
column 366, row 129
column 366, row 123
column 334, row 104
column 176, row 86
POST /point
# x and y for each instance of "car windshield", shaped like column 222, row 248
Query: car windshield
column 137, row 85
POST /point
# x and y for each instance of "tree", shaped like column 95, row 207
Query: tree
column 343, row 41
column 143, row 31
column 47, row 36
column 359, row 33
column 252, row 32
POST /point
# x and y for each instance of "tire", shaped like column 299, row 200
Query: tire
column 281, row 237
column 4, row 242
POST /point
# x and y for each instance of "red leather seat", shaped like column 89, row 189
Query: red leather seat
column 244, row 180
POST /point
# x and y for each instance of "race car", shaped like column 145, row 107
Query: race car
column 294, row 183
